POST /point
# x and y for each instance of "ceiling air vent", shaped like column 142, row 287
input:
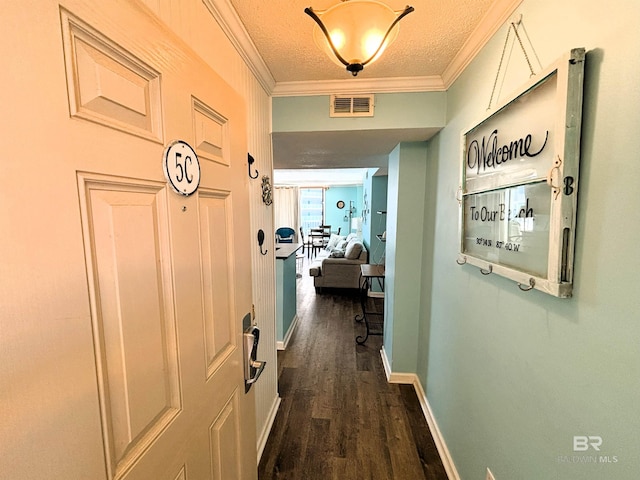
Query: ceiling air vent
column 351, row 106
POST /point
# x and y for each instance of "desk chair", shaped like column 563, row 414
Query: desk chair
column 285, row 235
column 306, row 244
column 326, row 234
column 317, row 240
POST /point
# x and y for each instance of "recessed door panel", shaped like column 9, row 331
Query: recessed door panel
column 215, row 230
column 212, row 133
column 135, row 340
column 224, row 442
column 108, row 84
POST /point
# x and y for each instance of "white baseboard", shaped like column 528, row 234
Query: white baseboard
column 283, row 345
column 385, row 363
column 447, row 461
column 412, row 379
column 264, row 435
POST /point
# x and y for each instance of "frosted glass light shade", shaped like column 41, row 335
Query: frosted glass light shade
column 359, row 30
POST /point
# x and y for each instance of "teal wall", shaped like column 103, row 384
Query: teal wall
column 367, row 193
column 333, row 215
column 375, row 189
column 405, row 227
column 359, row 204
column 392, row 111
column 512, row 377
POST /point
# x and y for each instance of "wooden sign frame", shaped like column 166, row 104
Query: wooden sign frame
column 519, row 181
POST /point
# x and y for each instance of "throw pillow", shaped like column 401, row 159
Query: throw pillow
column 333, row 241
column 342, row 245
column 353, row 250
column 337, row 253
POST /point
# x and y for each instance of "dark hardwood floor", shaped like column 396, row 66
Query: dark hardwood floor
column 339, row 418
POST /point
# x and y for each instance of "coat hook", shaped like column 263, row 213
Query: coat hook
column 532, row 283
column 459, row 195
column 261, row 241
column 488, row 271
column 556, row 168
column 251, row 160
column 464, row 260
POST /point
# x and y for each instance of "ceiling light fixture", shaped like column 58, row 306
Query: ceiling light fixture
column 354, row 33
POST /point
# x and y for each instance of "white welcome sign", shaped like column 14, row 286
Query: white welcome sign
column 520, row 181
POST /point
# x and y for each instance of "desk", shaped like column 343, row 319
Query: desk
column 367, row 274
column 286, row 316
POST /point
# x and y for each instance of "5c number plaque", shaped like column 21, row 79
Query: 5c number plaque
column 181, row 167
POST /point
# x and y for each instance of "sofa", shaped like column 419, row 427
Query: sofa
column 338, row 265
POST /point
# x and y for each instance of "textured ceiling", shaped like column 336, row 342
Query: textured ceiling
column 428, row 41
column 340, row 149
column 434, row 44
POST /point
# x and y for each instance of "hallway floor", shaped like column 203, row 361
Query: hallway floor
column 339, row 418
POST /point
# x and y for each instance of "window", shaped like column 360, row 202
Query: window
column 311, row 208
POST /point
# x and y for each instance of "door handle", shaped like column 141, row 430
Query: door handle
column 252, row 367
column 256, row 366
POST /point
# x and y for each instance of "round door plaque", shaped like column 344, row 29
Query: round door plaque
column 181, row 167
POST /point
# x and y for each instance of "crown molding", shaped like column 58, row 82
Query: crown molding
column 356, row 85
column 496, row 16
column 230, row 23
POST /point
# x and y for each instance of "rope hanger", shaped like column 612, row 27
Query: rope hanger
column 515, row 25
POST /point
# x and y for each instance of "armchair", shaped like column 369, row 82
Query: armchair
column 285, row 235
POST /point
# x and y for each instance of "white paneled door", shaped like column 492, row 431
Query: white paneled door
column 121, row 300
